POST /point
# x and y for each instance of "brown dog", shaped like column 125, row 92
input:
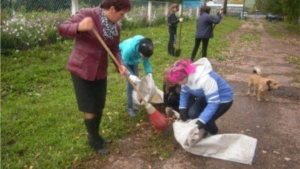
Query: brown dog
column 261, row 84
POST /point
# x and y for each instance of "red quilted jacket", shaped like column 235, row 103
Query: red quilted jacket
column 89, row 59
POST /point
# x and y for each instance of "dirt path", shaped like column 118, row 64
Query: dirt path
column 275, row 124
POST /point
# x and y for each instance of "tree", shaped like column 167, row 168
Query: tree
column 291, row 10
column 288, row 8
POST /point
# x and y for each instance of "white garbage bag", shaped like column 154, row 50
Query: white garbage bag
column 231, row 147
column 149, row 92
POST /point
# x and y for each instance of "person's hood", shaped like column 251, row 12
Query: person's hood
column 203, row 67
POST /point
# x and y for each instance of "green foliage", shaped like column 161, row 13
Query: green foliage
column 269, row 6
column 39, row 117
column 24, row 31
column 291, row 10
column 36, row 5
column 288, row 8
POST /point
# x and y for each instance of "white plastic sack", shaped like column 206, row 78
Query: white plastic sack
column 231, row 147
column 149, row 91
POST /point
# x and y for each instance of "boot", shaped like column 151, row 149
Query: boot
column 101, row 139
column 93, row 137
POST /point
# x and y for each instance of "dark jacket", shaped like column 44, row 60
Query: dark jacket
column 171, row 96
column 205, row 25
column 89, row 59
column 172, row 21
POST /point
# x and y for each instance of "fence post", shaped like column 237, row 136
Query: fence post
column 166, row 9
column 180, row 10
column 74, row 7
column 149, row 10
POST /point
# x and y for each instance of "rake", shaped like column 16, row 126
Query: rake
column 158, row 120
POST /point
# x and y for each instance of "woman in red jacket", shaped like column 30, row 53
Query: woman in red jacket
column 88, row 60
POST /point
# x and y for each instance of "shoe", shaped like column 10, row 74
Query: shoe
column 103, row 151
column 171, row 53
column 97, row 146
column 131, row 113
column 135, row 108
column 104, row 141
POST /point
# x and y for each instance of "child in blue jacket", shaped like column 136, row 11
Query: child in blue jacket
column 214, row 96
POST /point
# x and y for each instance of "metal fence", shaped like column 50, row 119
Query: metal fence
column 150, row 10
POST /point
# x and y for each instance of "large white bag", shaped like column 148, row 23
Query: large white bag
column 231, row 147
column 149, row 91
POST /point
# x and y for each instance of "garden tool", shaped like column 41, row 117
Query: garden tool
column 158, row 120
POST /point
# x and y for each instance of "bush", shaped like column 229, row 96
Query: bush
column 24, row 31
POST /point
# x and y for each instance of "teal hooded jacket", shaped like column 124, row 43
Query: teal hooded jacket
column 130, row 53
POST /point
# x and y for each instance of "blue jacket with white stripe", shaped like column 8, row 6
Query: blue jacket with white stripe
column 204, row 82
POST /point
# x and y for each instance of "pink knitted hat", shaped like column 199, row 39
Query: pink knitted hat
column 181, row 69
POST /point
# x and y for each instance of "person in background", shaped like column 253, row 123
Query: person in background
column 134, row 50
column 214, row 96
column 204, row 30
column 88, row 61
column 170, row 96
column 172, row 23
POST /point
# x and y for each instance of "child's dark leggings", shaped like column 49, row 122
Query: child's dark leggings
column 199, row 105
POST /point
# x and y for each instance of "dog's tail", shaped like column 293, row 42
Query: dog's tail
column 256, row 70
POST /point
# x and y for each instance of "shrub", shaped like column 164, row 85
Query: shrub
column 24, row 31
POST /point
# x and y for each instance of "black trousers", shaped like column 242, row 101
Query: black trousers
column 198, row 105
column 196, row 47
column 172, row 36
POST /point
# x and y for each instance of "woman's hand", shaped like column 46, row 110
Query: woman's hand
column 221, row 11
column 87, row 24
column 122, row 70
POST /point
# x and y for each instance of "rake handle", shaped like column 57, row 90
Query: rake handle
column 118, row 64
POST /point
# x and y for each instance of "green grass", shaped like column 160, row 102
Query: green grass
column 40, row 124
column 295, row 60
column 273, row 27
column 286, row 32
column 250, row 37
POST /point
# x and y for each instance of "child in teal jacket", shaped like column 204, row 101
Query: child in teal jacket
column 133, row 51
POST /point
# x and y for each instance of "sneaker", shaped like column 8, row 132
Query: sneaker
column 102, row 151
column 131, row 113
column 135, row 108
